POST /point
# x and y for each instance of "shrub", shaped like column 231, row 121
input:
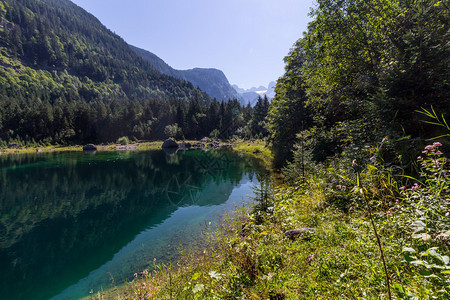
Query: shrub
column 123, row 140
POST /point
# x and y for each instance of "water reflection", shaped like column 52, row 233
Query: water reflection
column 65, row 215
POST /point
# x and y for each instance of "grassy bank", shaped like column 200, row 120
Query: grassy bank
column 64, row 148
column 255, row 148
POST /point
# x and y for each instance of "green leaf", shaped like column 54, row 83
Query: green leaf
column 196, row 276
column 443, row 259
column 425, row 273
column 422, row 236
column 198, row 288
column 419, row 263
column 409, row 250
column 215, row 275
column 400, row 288
column 444, row 235
column 345, row 178
column 409, row 258
column 418, row 226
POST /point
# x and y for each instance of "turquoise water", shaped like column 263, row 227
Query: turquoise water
column 75, row 222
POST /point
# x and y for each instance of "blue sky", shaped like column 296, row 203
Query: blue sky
column 246, row 39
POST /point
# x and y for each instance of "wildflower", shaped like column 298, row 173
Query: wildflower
column 372, row 159
column 414, row 187
column 429, row 147
column 402, row 188
column 437, row 144
column 388, row 212
column 419, row 157
column 425, row 152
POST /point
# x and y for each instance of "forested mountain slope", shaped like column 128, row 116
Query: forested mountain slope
column 55, row 58
column 212, row 81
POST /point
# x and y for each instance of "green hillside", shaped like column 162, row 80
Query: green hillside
column 56, row 57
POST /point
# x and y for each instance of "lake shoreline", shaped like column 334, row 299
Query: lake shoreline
column 64, row 148
column 255, row 148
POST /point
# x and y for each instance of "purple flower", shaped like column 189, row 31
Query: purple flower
column 429, row 147
column 402, row 188
column 419, row 157
column 414, row 187
column 437, row 144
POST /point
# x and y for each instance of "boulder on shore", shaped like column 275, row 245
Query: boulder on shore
column 89, row 147
column 170, row 143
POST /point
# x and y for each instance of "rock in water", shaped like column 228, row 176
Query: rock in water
column 170, row 143
column 89, row 147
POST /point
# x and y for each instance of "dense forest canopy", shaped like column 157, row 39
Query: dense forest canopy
column 360, row 72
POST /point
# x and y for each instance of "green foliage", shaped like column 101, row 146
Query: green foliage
column 374, row 63
column 287, row 113
column 124, row 140
column 259, row 114
column 106, row 121
column 214, row 134
column 425, row 211
column 173, row 131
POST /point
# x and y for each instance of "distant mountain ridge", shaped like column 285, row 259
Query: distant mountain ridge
column 210, row 80
column 252, row 94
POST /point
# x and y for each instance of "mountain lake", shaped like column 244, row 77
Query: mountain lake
column 74, row 222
